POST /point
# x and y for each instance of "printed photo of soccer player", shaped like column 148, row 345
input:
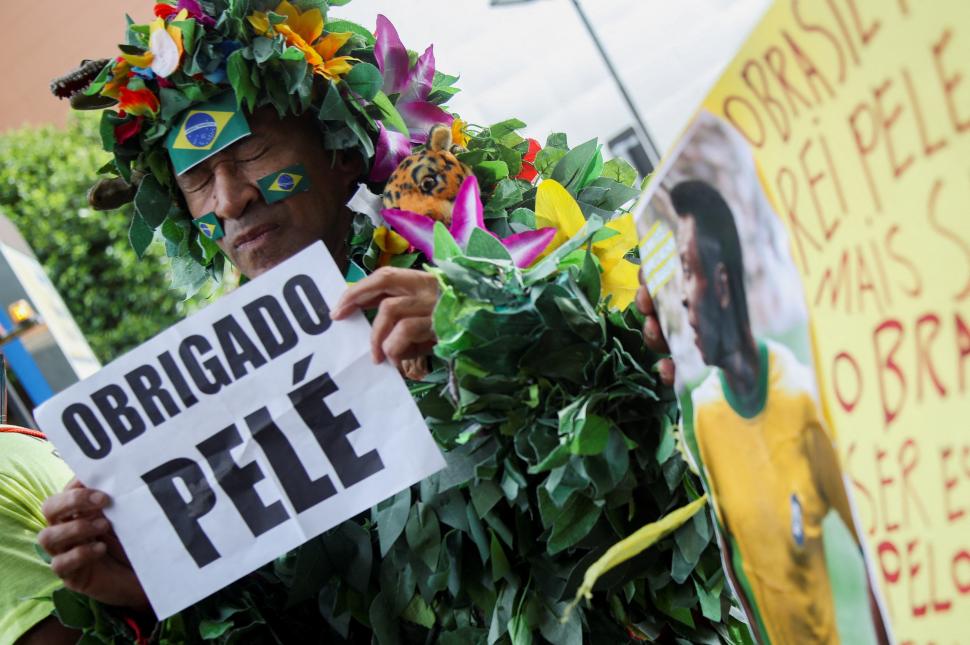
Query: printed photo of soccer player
column 752, row 422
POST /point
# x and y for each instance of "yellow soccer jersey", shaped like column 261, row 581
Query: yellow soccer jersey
column 774, row 476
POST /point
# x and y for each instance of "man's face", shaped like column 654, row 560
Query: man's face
column 703, row 309
column 258, row 236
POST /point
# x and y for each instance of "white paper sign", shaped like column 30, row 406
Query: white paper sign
column 242, row 432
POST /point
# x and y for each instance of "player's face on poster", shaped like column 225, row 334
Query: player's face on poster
column 701, row 306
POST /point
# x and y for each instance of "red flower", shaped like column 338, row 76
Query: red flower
column 138, row 102
column 128, row 129
column 163, row 10
column 133, row 624
column 529, row 172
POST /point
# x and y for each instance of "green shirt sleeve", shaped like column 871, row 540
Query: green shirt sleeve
column 30, row 472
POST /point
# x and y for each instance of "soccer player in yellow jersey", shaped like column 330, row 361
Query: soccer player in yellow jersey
column 767, row 460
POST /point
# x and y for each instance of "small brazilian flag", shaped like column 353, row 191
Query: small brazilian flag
column 206, row 130
column 210, row 226
column 284, row 183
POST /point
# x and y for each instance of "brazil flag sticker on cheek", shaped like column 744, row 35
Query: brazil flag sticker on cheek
column 206, row 130
column 284, row 183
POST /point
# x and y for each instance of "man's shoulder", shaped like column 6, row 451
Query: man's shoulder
column 709, row 391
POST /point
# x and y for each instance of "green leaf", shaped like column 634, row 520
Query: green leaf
column 557, row 140
column 490, row 172
column 573, row 524
column 264, row 49
column 620, row 170
column 365, row 80
column 333, row 107
column 484, row 496
column 152, row 201
column 591, row 437
column 445, row 246
column 576, row 168
column 546, row 160
column 500, row 562
column 210, row 630
column 173, row 102
column 710, row 601
column 419, row 612
column 389, row 114
column 72, row 608
column 391, row 518
column 340, row 26
column 424, row 534
column 482, row 244
column 140, row 235
column 294, row 55
column 240, row 77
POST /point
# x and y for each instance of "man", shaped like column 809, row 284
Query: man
column 258, row 236
column 765, row 456
column 30, row 471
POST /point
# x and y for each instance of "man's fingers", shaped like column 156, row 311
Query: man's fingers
column 410, row 338
column 386, row 281
column 644, row 302
column 72, row 502
column 67, row 565
column 653, row 335
column 63, row 537
column 389, row 312
column 665, row 368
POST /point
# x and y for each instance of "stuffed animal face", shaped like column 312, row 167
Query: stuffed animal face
column 427, row 182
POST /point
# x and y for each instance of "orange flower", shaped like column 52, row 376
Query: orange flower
column 303, row 30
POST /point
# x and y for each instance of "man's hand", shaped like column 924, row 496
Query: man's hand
column 85, row 551
column 654, row 336
column 404, row 299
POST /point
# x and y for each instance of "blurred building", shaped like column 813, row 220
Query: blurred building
column 527, row 58
column 43, row 350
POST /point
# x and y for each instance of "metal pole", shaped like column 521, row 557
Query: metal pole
column 651, row 147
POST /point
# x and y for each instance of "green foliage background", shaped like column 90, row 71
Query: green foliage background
column 117, row 300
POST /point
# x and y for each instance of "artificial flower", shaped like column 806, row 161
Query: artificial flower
column 458, row 136
column 165, row 46
column 529, row 172
column 119, row 78
column 303, row 30
column 128, row 129
column 192, row 8
column 556, row 207
column 141, row 102
column 411, row 84
column 466, row 216
column 390, row 244
column 392, row 147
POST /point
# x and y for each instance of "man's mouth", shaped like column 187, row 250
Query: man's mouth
column 254, row 236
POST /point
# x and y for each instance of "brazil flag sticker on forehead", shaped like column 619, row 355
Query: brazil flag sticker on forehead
column 205, row 130
column 283, row 183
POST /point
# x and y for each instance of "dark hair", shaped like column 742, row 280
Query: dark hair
column 717, row 236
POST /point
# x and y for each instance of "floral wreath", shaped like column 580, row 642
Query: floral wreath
column 369, row 93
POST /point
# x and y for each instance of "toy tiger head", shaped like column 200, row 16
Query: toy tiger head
column 427, row 182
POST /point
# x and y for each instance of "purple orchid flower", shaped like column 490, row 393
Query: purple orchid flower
column 392, row 147
column 196, row 12
column 466, row 216
column 411, row 84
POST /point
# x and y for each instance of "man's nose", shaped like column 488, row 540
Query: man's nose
column 234, row 192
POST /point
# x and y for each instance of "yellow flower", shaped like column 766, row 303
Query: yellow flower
column 303, row 30
column 458, row 136
column 390, row 244
column 556, row 207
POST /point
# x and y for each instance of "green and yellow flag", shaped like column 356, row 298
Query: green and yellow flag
column 210, row 226
column 284, row 183
column 206, row 130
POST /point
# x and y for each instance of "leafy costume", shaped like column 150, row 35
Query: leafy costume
column 560, row 440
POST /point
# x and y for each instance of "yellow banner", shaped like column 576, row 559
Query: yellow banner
column 857, row 113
